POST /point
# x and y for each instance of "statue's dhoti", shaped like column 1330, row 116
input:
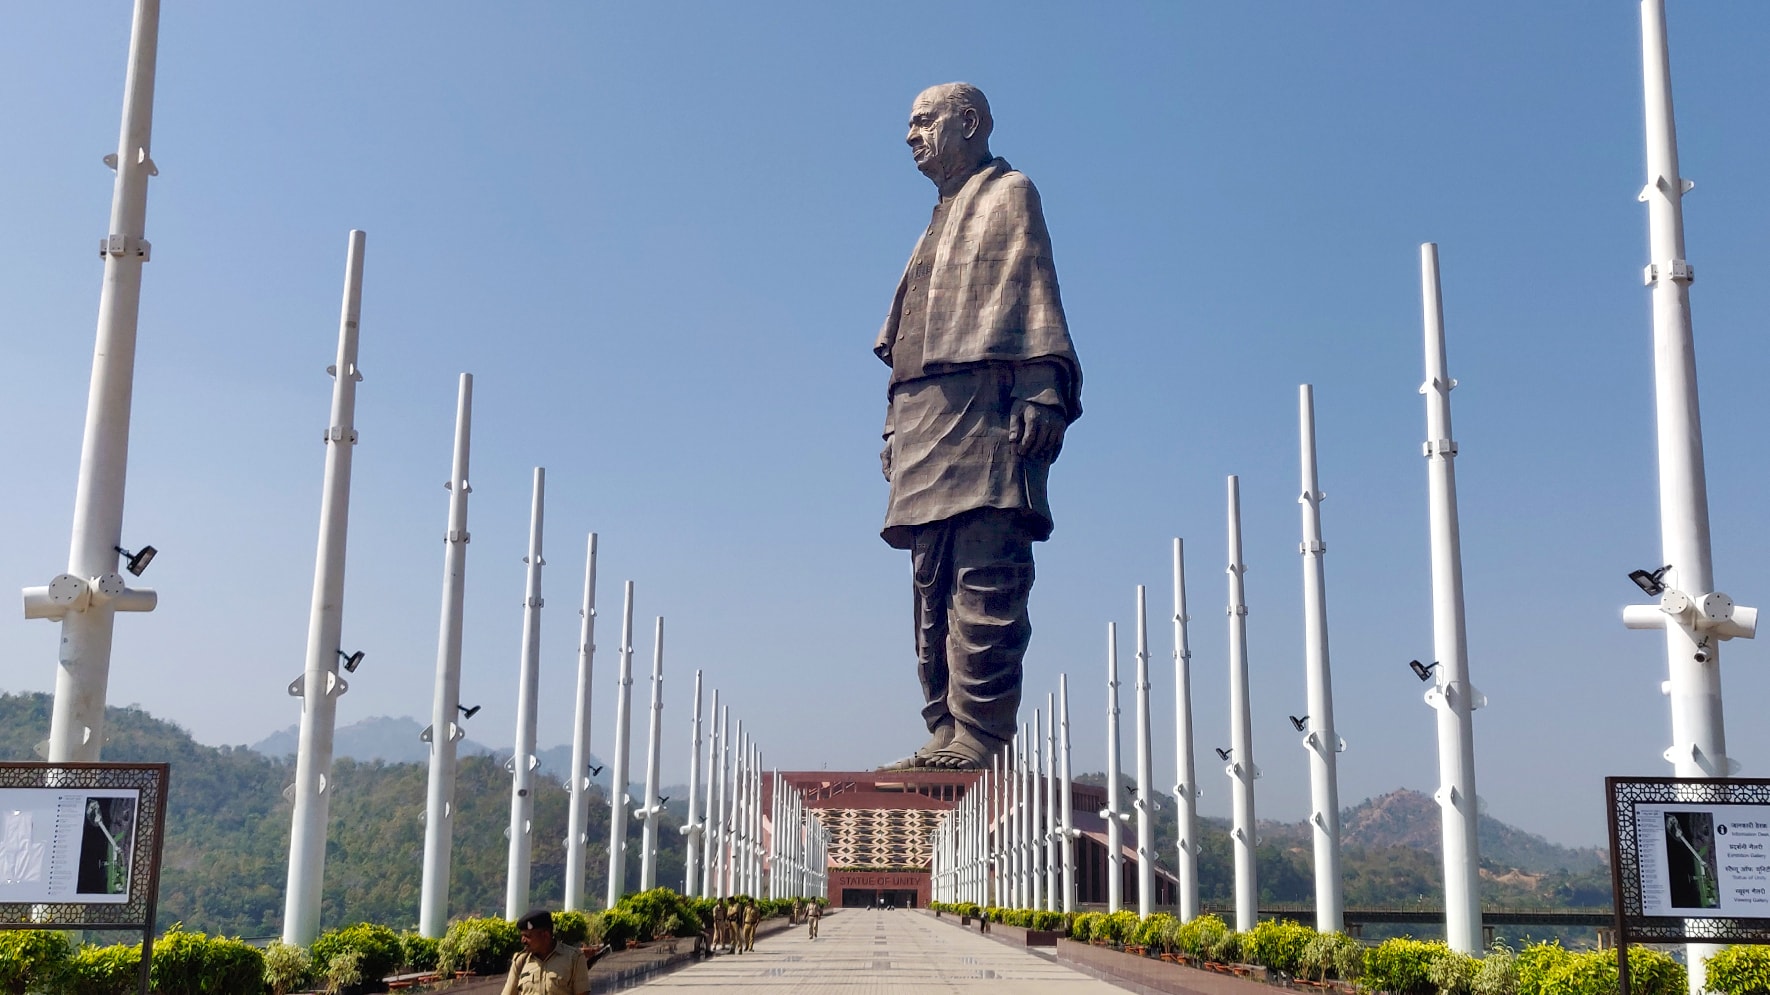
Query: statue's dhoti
column 973, row 573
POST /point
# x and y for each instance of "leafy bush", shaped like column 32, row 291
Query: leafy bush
column 1402, row 966
column 1047, row 920
column 569, row 927
column 1226, row 948
column 1082, row 927
column 652, row 907
column 481, row 945
column 1119, row 927
column 112, row 970
column 1453, row 973
column 1277, row 944
column 594, row 926
column 286, row 967
column 31, row 957
column 344, row 970
column 1150, row 932
column 1547, row 969
column 1741, row 970
column 1333, row 954
column 195, row 964
column 418, row 952
column 1196, row 936
column 379, row 946
column 1498, row 974
column 619, row 925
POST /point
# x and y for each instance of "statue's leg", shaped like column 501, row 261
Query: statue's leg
column 992, row 569
column 931, row 573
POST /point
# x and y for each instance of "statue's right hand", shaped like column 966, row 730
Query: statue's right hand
column 885, row 460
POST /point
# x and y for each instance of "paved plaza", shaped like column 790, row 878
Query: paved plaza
column 869, row 952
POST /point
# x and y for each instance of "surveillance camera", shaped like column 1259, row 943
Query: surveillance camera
column 1702, row 656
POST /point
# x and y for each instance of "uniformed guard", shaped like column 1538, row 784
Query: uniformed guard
column 721, row 923
column 814, row 911
column 752, row 915
column 545, row 966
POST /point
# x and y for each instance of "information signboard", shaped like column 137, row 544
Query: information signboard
column 1690, row 861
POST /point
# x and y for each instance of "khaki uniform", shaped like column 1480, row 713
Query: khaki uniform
column 752, row 915
column 721, row 923
column 562, row 972
column 812, row 914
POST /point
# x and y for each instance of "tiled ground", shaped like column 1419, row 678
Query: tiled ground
column 868, row 952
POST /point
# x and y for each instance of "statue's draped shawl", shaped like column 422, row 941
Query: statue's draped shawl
column 992, row 294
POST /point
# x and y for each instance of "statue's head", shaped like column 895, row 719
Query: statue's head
column 949, row 131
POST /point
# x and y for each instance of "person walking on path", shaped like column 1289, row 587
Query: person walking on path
column 798, row 910
column 752, row 914
column 545, row 966
column 721, row 923
column 813, row 913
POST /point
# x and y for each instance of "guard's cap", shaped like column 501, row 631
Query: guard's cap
column 538, row 919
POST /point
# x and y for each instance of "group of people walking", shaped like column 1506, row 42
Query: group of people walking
column 735, row 919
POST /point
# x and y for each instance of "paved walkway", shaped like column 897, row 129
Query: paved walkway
column 869, row 952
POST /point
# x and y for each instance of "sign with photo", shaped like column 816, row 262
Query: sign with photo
column 80, row 844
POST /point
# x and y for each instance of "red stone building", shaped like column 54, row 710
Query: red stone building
column 881, row 825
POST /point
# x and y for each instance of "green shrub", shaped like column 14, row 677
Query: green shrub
column 1119, row 927
column 594, row 927
column 286, row 967
column 1498, row 974
column 1402, row 966
column 30, row 958
column 619, row 926
column 569, row 927
column 1196, row 936
column 344, row 970
column 1150, row 932
column 418, row 952
column 481, row 945
column 1332, row 954
column 1740, row 970
column 1047, row 920
column 1277, row 944
column 652, row 907
column 379, row 946
column 112, row 970
column 1547, row 969
column 1226, row 948
column 195, row 964
column 1453, row 973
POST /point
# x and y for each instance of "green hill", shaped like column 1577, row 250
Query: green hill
column 224, row 868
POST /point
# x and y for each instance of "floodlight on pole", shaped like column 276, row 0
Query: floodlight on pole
column 1422, row 671
column 352, row 660
column 137, row 561
column 1299, row 722
column 1651, row 582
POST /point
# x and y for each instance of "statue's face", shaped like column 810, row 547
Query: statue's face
column 940, row 135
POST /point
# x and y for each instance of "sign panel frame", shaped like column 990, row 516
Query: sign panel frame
column 1689, row 861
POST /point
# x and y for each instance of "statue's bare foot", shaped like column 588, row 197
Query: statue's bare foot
column 966, row 751
column 943, row 734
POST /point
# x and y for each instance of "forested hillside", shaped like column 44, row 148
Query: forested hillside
column 227, row 833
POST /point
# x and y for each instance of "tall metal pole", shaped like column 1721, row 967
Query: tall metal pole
column 577, row 841
column 319, row 685
column 710, row 825
column 618, row 799
column 1186, row 774
column 1696, row 617
column 87, row 598
column 1452, row 697
column 997, row 861
column 1115, row 844
column 694, row 829
column 1144, row 806
column 722, row 810
column 523, row 760
column 1321, row 741
column 648, row 857
column 1241, row 729
column 1053, row 856
column 1035, row 817
column 1069, row 830
column 445, row 732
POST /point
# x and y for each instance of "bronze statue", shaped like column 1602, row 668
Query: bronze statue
column 984, row 382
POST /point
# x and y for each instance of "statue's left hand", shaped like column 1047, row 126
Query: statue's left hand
column 1036, row 431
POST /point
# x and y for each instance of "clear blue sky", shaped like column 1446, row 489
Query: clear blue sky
column 662, row 237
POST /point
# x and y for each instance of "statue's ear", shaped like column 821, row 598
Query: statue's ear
column 971, row 120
